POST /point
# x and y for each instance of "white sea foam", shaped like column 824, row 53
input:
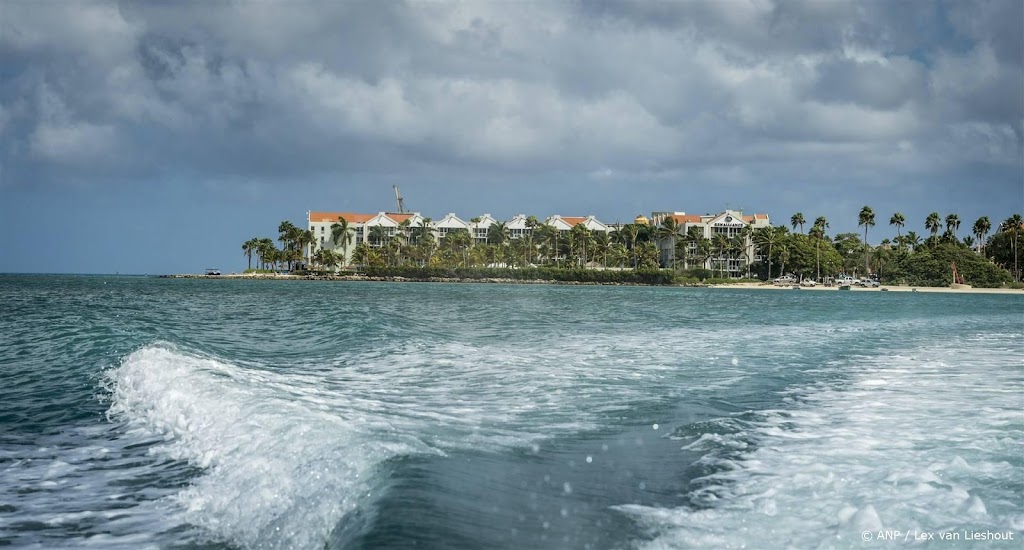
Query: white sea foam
column 286, row 454
column 279, row 471
column 930, row 442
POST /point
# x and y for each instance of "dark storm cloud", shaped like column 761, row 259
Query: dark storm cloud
column 614, row 90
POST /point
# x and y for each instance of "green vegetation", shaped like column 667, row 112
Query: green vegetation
column 657, row 254
column 933, row 267
column 629, row 276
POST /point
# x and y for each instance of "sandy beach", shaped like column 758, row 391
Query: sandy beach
column 888, row 288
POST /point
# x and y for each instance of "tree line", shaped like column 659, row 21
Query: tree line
column 775, row 250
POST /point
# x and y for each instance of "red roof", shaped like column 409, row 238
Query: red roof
column 399, row 218
column 350, row 217
column 685, row 218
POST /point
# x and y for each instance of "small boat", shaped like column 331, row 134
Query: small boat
column 796, row 287
column 212, row 271
column 844, row 287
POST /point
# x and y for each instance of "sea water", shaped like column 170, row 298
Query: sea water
column 139, row 412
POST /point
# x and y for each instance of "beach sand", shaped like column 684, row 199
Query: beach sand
column 890, row 288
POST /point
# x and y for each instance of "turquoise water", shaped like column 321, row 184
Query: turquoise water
column 141, row 412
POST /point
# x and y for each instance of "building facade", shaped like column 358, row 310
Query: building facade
column 377, row 229
column 731, row 225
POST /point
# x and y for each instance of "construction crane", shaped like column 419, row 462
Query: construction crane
column 398, row 198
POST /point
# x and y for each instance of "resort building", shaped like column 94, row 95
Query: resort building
column 447, row 224
column 566, row 223
column 479, row 226
column 733, row 261
column 377, row 229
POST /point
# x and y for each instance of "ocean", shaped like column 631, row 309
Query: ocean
column 138, row 412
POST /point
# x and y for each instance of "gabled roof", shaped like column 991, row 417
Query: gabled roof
column 486, row 220
column 451, row 220
column 350, row 217
column 574, row 220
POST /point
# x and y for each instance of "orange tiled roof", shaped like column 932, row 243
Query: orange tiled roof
column 573, row 221
column 399, row 218
column 350, row 217
column 686, row 218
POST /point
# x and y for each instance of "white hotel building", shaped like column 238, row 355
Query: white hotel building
column 728, row 223
column 361, row 226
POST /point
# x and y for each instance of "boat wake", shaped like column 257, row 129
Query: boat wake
column 280, row 465
column 890, row 449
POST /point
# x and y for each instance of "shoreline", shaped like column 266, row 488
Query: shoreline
column 743, row 286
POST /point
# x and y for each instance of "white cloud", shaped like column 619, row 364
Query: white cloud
column 75, row 143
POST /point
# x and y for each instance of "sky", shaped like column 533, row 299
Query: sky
column 156, row 137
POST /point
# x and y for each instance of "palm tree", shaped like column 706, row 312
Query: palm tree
column 899, row 221
column 581, row 239
column 669, row 230
column 378, row 236
column 362, row 255
column 1012, row 226
column 867, row 219
column 547, row 236
column 704, row 249
column 618, row 254
column 953, row 224
column 287, row 233
column 340, row 236
column 720, row 242
column 738, row 246
column 932, row 223
column 601, row 244
column 265, row 248
column 693, row 237
column 912, row 240
column 531, row 225
column 783, row 256
column 248, row 247
column 981, row 229
column 766, row 237
column 497, row 235
column 631, row 232
column 647, row 255
column 797, row 219
column 817, row 233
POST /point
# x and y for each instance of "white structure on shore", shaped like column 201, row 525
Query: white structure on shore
column 363, row 228
column 730, row 224
column 376, row 229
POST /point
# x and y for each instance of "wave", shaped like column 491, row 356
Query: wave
column 280, row 466
column 928, row 441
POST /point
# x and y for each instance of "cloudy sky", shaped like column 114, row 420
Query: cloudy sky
column 154, row 137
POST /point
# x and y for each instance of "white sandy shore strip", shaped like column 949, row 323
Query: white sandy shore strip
column 753, row 286
column 891, row 288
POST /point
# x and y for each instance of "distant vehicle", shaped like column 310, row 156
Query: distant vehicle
column 212, row 271
column 809, row 282
column 867, row 283
column 845, row 280
column 785, row 280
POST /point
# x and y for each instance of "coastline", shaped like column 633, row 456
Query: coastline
column 888, row 288
column 743, row 286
